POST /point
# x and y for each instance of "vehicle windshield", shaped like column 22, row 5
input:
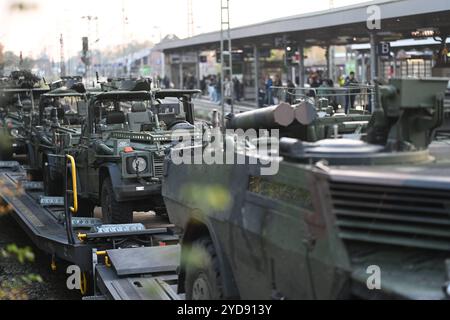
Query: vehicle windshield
column 118, row 114
column 69, row 109
column 123, row 106
column 135, row 115
column 14, row 101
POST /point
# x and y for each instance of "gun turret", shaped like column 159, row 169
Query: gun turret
column 406, row 114
column 407, row 111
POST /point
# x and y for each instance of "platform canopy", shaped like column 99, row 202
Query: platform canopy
column 339, row 26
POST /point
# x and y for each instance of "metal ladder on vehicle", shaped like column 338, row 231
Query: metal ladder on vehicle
column 226, row 56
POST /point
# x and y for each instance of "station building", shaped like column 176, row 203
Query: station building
column 376, row 39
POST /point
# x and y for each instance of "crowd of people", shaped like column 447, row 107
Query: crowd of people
column 164, row 82
column 272, row 90
column 212, row 87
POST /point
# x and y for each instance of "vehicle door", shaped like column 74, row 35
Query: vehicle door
column 270, row 237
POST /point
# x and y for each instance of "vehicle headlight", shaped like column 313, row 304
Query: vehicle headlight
column 14, row 133
column 138, row 164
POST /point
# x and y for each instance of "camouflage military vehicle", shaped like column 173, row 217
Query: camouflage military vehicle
column 120, row 153
column 60, row 116
column 18, row 94
column 341, row 219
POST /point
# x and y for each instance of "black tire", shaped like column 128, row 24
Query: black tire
column 85, row 208
column 158, row 206
column 203, row 278
column 6, row 153
column 160, row 211
column 53, row 187
column 114, row 212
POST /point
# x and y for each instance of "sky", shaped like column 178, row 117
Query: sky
column 34, row 26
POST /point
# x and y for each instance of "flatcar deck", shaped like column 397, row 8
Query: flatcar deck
column 45, row 224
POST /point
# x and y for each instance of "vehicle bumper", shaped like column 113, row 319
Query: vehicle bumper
column 136, row 191
column 18, row 147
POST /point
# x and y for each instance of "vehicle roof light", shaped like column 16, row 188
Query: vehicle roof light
column 128, row 149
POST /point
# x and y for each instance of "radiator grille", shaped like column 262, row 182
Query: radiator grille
column 404, row 216
column 158, row 166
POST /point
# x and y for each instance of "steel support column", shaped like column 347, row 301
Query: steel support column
column 180, row 71
column 256, row 73
column 394, row 60
column 363, row 68
column 301, row 67
column 197, row 69
column 163, row 64
column 331, row 62
column 374, row 72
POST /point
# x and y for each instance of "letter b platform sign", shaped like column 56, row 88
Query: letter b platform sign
column 384, row 49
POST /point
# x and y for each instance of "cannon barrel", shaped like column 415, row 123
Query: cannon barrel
column 305, row 113
column 277, row 116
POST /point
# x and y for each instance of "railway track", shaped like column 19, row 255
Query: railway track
column 53, row 286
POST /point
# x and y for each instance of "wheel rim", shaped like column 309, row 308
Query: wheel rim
column 200, row 288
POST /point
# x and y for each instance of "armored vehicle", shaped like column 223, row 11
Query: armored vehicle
column 121, row 149
column 341, row 219
column 18, row 95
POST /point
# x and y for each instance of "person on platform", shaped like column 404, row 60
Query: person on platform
column 237, row 89
column 269, row 91
column 352, row 90
column 290, row 94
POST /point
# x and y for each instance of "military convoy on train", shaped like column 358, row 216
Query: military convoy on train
column 352, row 194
